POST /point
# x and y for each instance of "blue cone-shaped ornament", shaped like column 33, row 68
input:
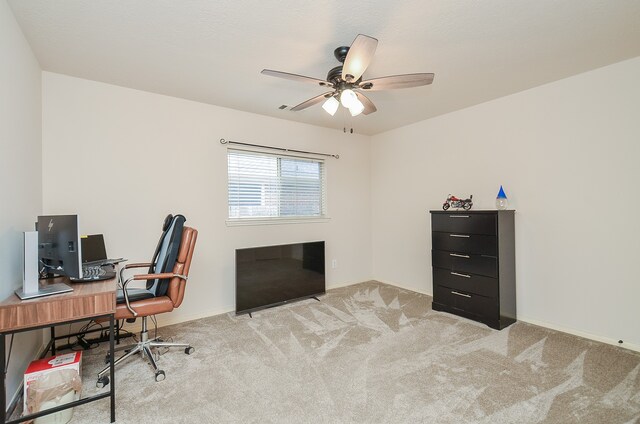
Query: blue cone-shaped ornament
column 501, row 200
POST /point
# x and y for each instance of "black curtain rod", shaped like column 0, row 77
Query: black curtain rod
column 223, row 141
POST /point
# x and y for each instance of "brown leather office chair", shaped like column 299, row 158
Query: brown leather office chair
column 166, row 281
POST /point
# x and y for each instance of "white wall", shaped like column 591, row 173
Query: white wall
column 568, row 155
column 565, row 152
column 123, row 159
column 20, row 171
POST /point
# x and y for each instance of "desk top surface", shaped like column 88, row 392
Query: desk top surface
column 87, row 300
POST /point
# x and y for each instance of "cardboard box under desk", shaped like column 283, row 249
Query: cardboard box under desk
column 44, row 366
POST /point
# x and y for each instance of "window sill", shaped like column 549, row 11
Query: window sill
column 275, row 221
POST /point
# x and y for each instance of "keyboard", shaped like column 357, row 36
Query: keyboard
column 96, row 273
column 93, row 272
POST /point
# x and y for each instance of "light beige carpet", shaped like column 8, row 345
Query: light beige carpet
column 372, row 353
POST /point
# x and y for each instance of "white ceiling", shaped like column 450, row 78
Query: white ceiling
column 213, row 51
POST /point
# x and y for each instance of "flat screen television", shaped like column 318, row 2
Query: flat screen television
column 272, row 275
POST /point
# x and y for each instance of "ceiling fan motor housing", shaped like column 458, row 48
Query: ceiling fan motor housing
column 341, row 53
column 335, row 75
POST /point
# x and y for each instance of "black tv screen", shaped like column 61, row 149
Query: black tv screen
column 272, row 275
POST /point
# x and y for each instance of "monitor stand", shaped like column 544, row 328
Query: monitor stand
column 30, row 286
column 47, row 290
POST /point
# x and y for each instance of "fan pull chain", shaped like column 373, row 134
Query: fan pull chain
column 344, row 122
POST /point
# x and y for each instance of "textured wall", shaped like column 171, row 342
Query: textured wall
column 20, row 170
column 567, row 154
column 122, row 159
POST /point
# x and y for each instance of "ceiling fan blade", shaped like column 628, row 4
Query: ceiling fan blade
column 369, row 107
column 295, row 77
column 360, row 54
column 312, row 101
column 397, row 81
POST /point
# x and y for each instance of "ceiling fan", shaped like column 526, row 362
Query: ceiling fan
column 345, row 80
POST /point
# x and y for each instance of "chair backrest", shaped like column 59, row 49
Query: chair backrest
column 182, row 265
column 164, row 258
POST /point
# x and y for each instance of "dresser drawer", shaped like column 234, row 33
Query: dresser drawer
column 465, row 263
column 465, row 243
column 470, row 223
column 468, row 302
column 470, row 283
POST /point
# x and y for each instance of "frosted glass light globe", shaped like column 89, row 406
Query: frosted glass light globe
column 331, row 105
column 356, row 108
column 348, row 98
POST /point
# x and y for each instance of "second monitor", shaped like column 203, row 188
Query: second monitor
column 54, row 249
column 59, row 246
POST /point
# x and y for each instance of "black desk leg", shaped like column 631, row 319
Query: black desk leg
column 3, row 370
column 112, row 371
column 53, row 341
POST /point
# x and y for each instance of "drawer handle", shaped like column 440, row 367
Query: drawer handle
column 459, row 235
column 459, row 256
column 459, row 216
column 460, row 275
column 460, row 294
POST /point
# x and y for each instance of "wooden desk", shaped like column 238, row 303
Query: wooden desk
column 86, row 301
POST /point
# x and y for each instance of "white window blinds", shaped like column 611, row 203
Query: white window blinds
column 263, row 185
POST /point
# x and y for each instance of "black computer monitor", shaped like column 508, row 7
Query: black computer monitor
column 59, row 246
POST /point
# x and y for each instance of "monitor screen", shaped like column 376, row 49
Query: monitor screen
column 93, row 248
column 59, row 248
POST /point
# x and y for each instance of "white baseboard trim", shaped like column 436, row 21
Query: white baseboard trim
column 413, row 289
column 20, row 390
column 340, row 285
column 607, row 340
column 11, row 405
column 170, row 319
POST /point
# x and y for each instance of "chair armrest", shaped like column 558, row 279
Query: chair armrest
column 139, row 277
column 137, row 265
column 154, row 276
column 129, row 266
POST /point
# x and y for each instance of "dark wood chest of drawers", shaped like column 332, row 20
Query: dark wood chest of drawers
column 474, row 270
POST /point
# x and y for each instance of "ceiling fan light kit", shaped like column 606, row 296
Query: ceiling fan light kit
column 331, row 105
column 348, row 98
column 346, row 80
column 356, row 108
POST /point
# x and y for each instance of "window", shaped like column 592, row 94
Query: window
column 269, row 186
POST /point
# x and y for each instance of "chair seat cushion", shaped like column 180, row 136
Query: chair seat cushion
column 145, row 307
column 134, row 295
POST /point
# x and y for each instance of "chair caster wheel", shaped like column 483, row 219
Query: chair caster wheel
column 160, row 375
column 189, row 350
column 102, row 382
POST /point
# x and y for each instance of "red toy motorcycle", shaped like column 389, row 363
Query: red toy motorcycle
column 453, row 201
